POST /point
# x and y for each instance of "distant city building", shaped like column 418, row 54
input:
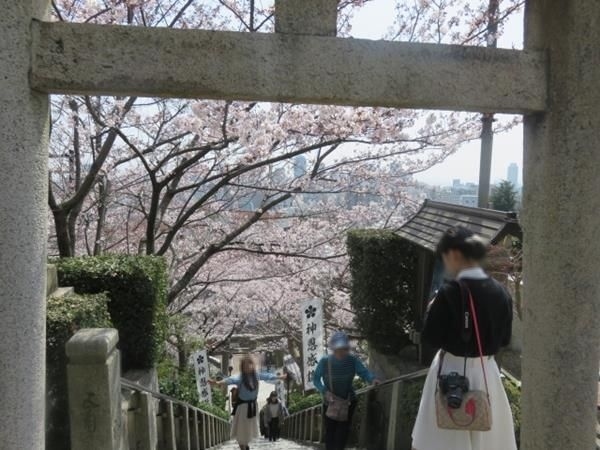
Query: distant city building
column 299, row 166
column 459, row 193
column 513, row 174
column 469, row 200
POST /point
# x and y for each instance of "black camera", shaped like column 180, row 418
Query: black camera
column 454, row 386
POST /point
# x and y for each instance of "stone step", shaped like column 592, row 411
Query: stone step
column 62, row 292
column 51, row 279
column 263, row 444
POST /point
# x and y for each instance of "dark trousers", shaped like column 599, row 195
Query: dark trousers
column 336, row 433
column 274, row 429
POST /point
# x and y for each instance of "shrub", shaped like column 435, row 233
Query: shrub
column 410, row 401
column 136, row 287
column 298, row 402
column 64, row 316
column 182, row 386
column 383, row 267
column 514, row 397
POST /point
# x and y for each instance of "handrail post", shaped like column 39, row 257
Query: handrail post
column 363, row 436
column 312, row 424
column 321, row 424
column 284, row 427
column 94, row 387
column 214, row 428
column 185, row 434
column 145, row 430
column 195, row 431
column 205, row 443
column 393, row 421
column 294, row 419
column 305, row 435
column 168, row 418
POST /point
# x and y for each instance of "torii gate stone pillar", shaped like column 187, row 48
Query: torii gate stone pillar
column 555, row 83
column 23, row 233
column 562, row 226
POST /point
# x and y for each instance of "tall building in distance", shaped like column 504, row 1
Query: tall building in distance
column 300, row 165
column 513, row 174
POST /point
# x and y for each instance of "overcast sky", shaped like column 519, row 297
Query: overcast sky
column 371, row 23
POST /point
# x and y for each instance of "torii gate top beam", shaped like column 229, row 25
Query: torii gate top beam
column 159, row 62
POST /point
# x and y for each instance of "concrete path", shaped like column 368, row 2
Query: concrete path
column 262, row 444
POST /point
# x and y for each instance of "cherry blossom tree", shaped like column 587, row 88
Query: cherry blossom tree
column 249, row 202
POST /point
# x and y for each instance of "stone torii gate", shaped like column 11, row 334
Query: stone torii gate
column 554, row 82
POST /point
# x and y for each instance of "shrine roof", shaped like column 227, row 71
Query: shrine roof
column 426, row 227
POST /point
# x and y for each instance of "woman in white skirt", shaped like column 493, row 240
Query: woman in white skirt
column 245, row 421
column 462, row 252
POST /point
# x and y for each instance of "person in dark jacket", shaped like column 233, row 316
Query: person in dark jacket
column 264, row 431
column 274, row 415
column 462, row 252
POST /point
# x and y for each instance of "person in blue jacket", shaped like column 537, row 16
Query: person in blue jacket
column 244, row 427
column 344, row 367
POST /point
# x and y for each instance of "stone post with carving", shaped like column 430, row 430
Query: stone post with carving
column 94, row 376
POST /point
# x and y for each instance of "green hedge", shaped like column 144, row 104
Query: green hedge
column 182, row 386
column 298, row 402
column 137, row 289
column 383, row 292
column 64, row 316
column 514, row 397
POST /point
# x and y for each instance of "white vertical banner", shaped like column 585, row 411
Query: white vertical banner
column 202, row 376
column 281, row 392
column 313, row 345
column 293, row 369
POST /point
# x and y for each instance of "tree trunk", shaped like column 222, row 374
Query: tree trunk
column 63, row 237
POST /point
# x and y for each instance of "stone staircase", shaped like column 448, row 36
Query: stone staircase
column 263, row 444
column 52, row 287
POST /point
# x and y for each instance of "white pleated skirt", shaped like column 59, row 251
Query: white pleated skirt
column 426, row 434
column 243, row 429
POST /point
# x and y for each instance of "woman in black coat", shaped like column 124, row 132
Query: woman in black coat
column 462, row 253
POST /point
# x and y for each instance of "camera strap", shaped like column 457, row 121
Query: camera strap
column 471, row 307
column 465, row 332
column 469, row 315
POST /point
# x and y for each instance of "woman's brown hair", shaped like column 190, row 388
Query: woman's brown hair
column 250, row 380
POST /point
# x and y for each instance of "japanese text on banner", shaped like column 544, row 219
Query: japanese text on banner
column 202, row 376
column 312, row 338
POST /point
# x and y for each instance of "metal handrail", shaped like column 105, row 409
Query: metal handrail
column 137, row 387
column 407, row 377
column 514, row 380
column 300, row 428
